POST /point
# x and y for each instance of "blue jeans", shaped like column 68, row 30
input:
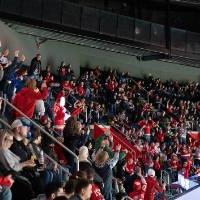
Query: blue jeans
column 147, row 138
column 48, row 177
column 183, row 140
column 5, row 194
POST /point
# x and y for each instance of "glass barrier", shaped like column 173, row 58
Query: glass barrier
column 73, row 15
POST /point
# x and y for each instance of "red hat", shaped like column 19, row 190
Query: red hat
column 137, row 185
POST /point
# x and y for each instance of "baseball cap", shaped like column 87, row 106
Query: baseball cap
column 151, row 172
column 17, row 123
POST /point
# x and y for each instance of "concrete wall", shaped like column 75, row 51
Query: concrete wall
column 54, row 52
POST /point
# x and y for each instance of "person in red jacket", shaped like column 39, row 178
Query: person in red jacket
column 25, row 99
column 60, row 115
column 153, row 186
column 81, row 90
column 138, row 190
column 129, row 165
column 96, row 192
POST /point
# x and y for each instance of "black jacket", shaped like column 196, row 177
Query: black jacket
column 35, row 66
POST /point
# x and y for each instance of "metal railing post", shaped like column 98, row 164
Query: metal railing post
column 46, row 155
column 45, row 132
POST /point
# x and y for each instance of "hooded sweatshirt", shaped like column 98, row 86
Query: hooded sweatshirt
column 25, row 100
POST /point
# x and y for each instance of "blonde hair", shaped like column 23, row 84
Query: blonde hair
column 31, row 83
column 4, row 134
column 83, row 153
column 101, row 157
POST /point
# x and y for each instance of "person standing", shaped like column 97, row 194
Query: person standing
column 35, row 67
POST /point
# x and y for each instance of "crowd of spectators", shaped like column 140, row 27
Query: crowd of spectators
column 154, row 116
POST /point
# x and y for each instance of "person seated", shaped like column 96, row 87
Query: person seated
column 12, row 164
column 48, row 170
column 83, row 190
column 52, row 191
column 69, row 188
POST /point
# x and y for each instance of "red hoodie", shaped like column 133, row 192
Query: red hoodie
column 25, row 101
column 152, row 187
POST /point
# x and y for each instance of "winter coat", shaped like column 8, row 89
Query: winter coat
column 35, row 67
column 152, row 187
column 25, row 100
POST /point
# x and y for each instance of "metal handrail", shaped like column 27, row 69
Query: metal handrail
column 127, row 198
column 45, row 132
column 46, row 155
column 133, row 151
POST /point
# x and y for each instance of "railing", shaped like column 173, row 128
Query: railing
column 165, row 177
column 46, row 155
column 124, row 144
column 127, row 198
column 45, row 132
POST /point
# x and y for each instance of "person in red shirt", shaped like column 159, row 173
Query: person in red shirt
column 80, row 89
column 111, row 86
column 25, row 99
column 160, row 136
column 96, row 192
column 60, row 115
column 153, row 186
column 79, row 106
column 138, row 190
column 174, row 166
column 66, row 85
column 147, row 130
column 157, row 166
column 129, row 165
column 184, row 151
column 186, row 168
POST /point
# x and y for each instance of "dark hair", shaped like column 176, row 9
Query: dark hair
column 82, row 184
column 70, row 186
column 21, row 72
column 51, row 189
column 61, row 198
column 79, row 175
column 71, row 127
column 90, row 173
column 36, row 134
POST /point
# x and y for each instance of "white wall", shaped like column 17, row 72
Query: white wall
column 54, row 52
